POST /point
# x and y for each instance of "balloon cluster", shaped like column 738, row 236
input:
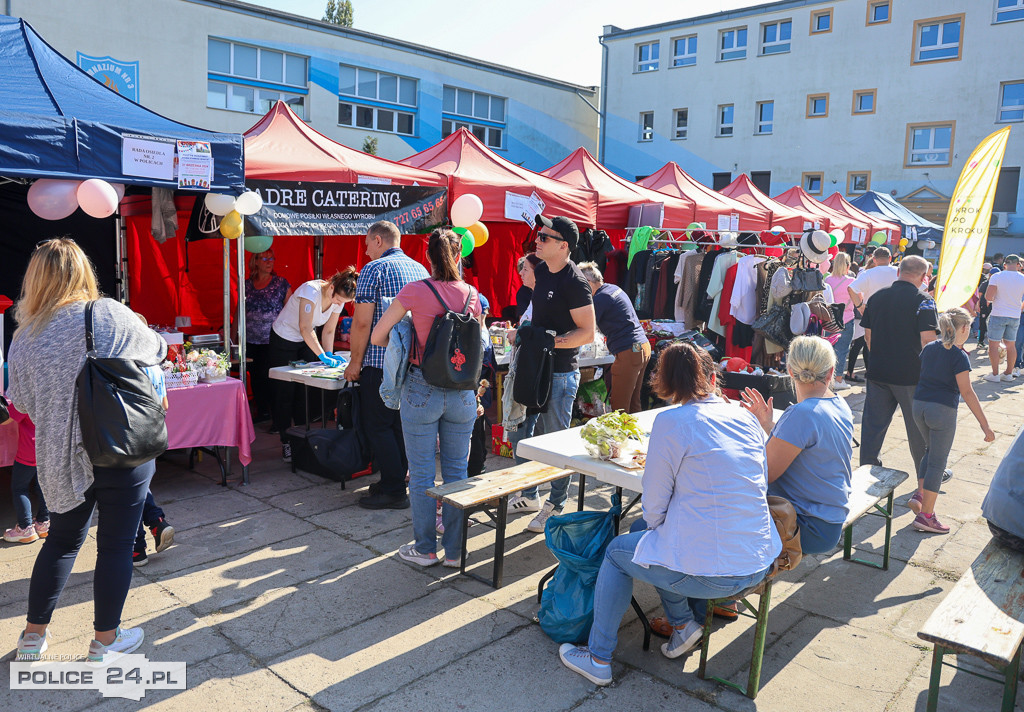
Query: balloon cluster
column 53, row 199
column 466, row 213
column 836, row 238
column 231, row 209
column 903, row 244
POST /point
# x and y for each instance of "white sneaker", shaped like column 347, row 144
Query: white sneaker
column 537, row 525
column 1018, row 372
column 127, row 640
column 840, row 386
column 683, row 641
column 992, row 378
column 1008, row 377
column 518, row 504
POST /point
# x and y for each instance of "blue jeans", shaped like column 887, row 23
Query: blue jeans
column 816, row 535
column 1020, row 343
column 615, row 588
column 23, row 481
column 842, row 347
column 119, row 494
column 430, row 414
column 558, row 416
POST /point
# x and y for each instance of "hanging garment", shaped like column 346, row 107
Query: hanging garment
column 687, row 276
column 664, row 299
column 744, row 292
column 715, row 286
column 702, row 303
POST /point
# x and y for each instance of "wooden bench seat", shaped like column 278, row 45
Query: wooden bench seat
column 870, row 485
column 982, row 616
column 490, row 491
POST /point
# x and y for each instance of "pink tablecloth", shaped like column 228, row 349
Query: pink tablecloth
column 211, row 414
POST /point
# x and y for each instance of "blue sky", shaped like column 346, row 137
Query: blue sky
column 552, row 39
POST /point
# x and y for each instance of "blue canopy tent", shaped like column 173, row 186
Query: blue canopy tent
column 58, row 122
column 886, row 207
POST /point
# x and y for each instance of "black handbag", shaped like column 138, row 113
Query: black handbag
column 345, row 451
column 453, row 354
column 122, row 419
column 5, row 414
column 807, row 280
column 838, row 310
column 535, row 366
column 774, row 325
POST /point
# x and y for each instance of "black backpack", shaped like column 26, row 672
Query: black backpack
column 453, row 355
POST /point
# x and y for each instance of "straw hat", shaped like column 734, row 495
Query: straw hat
column 814, row 245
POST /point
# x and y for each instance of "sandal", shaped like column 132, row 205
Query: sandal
column 661, row 627
column 727, row 611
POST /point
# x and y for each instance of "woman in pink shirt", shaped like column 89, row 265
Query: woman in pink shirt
column 23, row 481
column 839, row 280
column 432, row 415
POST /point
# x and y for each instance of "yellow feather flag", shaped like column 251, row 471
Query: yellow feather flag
column 966, row 232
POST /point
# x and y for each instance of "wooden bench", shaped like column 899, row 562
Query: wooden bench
column 870, row 485
column 490, row 491
column 983, row 616
column 763, row 591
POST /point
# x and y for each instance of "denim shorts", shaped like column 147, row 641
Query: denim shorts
column 1003, row 328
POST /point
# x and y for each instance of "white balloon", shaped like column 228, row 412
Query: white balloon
column 466, row 210
column 53, row 199
column 219, row 204
column 119, row 189
column 249, row 203
column 97, row 198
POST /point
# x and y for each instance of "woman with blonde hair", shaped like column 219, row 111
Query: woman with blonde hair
column 840, row 280
column 45, row 358
column 265, row 296
column 945, row 378
column 810, row 451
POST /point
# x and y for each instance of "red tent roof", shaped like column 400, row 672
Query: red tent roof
column 280, row 145
column 837, row 202
column 744, row 190
column 673, row 180
column 474, row 168
column 831, row 219
column 616, row 194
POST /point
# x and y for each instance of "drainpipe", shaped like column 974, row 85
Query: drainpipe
column 604, row 101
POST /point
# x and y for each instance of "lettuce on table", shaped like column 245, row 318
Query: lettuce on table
column 606, row 435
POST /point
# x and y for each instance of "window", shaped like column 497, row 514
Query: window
column 864, row 101
column 812, row 182
column 929, row 144
column 725, row 119
column 821, row 21
column 647, row 57
column 817, row 106
column 684, row 51
column 765, row 117
column 484, row 115
column 1006, row 191
column 858, row 182
column 762, row 180
column 1009, row 10
column 937, row 39
column 378, row 101
column 720, row 180
column 251, row 79
column 1011, row 101
column 646, row 126
column 732, row 44
column 775, row 37
column 681, row 123
column 879, row 12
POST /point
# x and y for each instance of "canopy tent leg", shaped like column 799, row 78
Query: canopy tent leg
column 227, row 297
column 240, row 243
column 318, row 257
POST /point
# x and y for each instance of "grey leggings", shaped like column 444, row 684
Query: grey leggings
column 937, row 423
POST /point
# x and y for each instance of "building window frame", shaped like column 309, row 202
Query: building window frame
column 763, row 126
column 1005, row 108
column 263, row 90
column 811, row 99
column 777, row 45
column 650, row 63
column 739, row 51
column 872, row 4
column 688, row 58
column 807, row 182
column 851, row 176
column 646, row 126
column 360, row 111
column 940, row 23
column 909, row 151
column 1016, row 12
column 680, row 132
column 858, row 94
column 491, row 130
column 818, row 14
column 724, row 129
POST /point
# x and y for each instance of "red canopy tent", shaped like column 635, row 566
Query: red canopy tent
column 709, row 205
column 472, row 168
column 789, row 218
column 829, row 219
column 838, row 203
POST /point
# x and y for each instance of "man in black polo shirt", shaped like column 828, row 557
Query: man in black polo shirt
column 898, row 322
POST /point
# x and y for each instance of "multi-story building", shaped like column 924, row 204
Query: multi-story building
column 833, row 95
column 220, row 64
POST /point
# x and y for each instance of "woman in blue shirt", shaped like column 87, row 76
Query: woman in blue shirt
column 709, row 533
column 810, row 451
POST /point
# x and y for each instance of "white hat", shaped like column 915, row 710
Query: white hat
column 799, row 318
column 814, row 245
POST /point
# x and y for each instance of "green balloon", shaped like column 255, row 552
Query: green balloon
column 467, row 243
column 461, row 231
column 878, row 238
column 258, row 243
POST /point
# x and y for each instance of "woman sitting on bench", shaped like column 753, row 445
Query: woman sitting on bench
column 709, row 531
column 810, row 452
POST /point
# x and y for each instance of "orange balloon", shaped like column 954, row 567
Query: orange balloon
column 479, row 232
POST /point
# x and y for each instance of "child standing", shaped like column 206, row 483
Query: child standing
column 945, row 378
column 23, row 480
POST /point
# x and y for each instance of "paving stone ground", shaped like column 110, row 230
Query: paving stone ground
column 285, row 595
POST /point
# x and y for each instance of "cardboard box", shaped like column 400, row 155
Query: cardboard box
column 500, row 446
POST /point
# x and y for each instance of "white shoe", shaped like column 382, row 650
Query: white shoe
column 127, row 640
column 840, row 386
column 683, row 641
column 519, row 504
column 992, row 378
column 1008, row 377
column 537, row 525
column 1018, row 372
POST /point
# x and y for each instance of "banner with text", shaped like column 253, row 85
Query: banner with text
column 303, row 208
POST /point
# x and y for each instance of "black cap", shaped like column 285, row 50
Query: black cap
column 564, row 227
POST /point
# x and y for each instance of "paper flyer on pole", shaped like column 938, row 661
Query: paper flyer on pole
column 195, row 165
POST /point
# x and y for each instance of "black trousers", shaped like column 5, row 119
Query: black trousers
column 855, row 348
column 259, row 378
column 384, row 432
column 288, row 399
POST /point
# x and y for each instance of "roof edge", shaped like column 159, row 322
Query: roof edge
column 612, row 33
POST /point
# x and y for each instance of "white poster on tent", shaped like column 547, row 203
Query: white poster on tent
column 520, row 207
column 195, row 165
column 723, row 223
column 147, row 157
column 373, row 180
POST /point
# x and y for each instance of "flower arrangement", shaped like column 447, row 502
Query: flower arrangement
column 193, row 365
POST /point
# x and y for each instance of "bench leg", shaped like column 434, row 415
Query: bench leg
column 760, row 634
column 643, row 621
column 706, row 641
column 581, row 495
column 936, row 677
column 465, row 539
column 888, row 533
column 499, row 541
column 880, row 511
column 1010, row 686
column 848, row 542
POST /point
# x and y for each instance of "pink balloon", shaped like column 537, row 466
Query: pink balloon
column 53, row 199
column 97, row 198
column 119, row 188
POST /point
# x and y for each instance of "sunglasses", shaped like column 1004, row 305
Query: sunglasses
column 265, row 259
column 544, row 237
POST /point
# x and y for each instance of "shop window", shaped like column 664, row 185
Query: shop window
column 938, row 39
column 929, row 144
